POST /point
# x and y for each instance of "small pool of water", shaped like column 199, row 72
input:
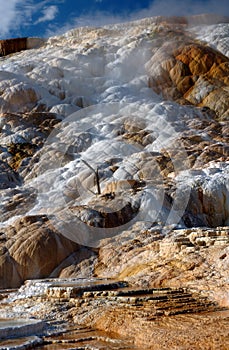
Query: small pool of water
column 17, row 327
column 5, row 323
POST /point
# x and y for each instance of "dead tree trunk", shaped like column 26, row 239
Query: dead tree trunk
column 96, row 172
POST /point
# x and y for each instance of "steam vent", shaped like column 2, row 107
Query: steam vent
column 114, row 187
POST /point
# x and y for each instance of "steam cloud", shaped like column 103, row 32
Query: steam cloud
column 20, row 13
column 156, row 8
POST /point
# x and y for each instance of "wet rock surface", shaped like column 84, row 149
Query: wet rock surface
column 117, row 316
column 114, row 189
column 196, row 258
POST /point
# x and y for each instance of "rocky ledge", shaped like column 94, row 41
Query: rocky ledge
column 109, row 314
column 196, row 258
column 168, row 290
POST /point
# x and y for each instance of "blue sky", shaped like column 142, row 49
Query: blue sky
column 45, row 18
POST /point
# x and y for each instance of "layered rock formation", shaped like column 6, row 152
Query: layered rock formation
column 117, row 316
column 31, row 248
column 9, row 46
column 114, row 164
column 190, row 72
column 12, row 45
column 184, row 257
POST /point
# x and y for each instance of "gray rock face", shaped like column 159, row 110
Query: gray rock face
column 8, row 177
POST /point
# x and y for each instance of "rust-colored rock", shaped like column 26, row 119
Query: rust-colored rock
column 31, row 248
column 122, row 185
column 9, row 46
column 191, row 73
column 196, row 258
column 14, row 45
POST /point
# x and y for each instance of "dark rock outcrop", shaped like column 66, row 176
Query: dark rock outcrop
column 8, row 177
column 9, row 46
